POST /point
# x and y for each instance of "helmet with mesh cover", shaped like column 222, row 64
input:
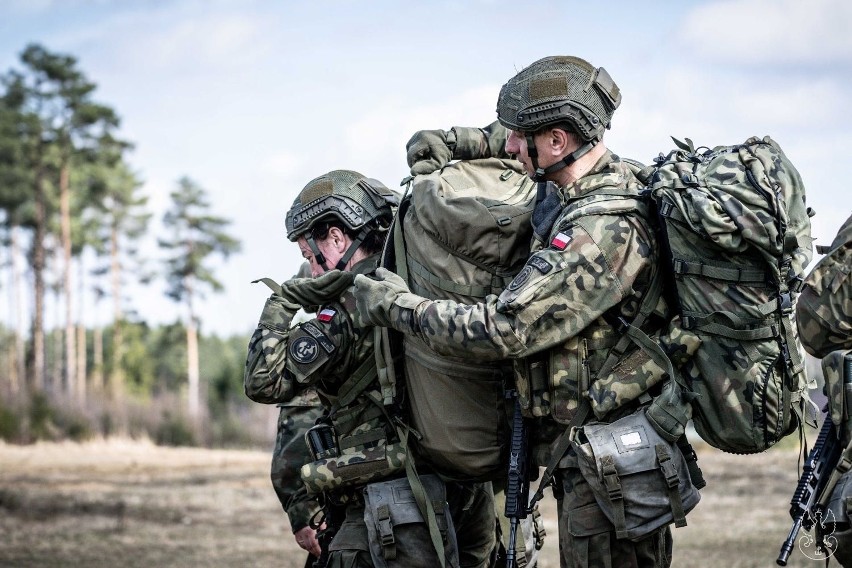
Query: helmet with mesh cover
column 360, row 204
column 557, row 90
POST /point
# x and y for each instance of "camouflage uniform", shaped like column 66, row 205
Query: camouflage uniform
column 324, row 352
column 554, row 312
column 290, row 453
column 824, row 310
column 318, row 353
column 824, row 317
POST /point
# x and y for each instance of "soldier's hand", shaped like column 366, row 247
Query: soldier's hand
column 312, row 292
column 427, row 151
column 306, row 537
column 381, row 300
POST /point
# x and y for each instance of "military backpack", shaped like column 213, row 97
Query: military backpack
column 736, row 234
column 461, row 233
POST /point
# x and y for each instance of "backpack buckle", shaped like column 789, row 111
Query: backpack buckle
column 785, row 302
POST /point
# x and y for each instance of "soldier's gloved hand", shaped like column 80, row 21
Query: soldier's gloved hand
column 312, row 292
column 386, row 300
column 427, row 151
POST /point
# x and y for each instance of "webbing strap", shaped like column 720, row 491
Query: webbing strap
column 385, row 529
column 272, row 285
column 559, row 450
column 498, row 283
column 667, row 466
column 424, row 504
column 615, row 493
column 360, row 380
column 731, row 273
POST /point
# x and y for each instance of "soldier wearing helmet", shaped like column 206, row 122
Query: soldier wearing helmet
column 592, row 271
column 340, row 221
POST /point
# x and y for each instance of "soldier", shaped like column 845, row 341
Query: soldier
column 558, row 319
column 824, row 318
column 339, row 221
column 824, row 311
column 295, row 417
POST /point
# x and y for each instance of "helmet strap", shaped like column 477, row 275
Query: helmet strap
column 540, row 173
column 318, row 256
column 353, row 248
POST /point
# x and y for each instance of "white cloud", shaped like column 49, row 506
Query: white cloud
column 770, row 31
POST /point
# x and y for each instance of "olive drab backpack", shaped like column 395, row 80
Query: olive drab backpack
column 736, row 232
column 461, row 233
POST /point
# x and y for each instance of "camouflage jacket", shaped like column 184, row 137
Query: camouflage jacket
column 824, row 309
column 321, row 352
column 589, row 264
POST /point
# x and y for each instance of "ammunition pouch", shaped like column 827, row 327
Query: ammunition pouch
column 350, row 448
column 640, row 480
column 397, row 532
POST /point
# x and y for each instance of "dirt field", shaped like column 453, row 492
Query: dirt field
column 129, row 504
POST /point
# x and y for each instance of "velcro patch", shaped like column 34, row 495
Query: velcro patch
column 542, row 265
column 321, row 337
column 560, row 241
column 326, row 315
column 304, row 350
column 520, row 279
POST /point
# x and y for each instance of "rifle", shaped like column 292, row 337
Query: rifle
column 518, row 482
column 818, row 480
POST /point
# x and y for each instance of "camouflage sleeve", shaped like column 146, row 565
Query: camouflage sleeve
column 289, row 455
column 474, row 143
column 589, row 267
column 281, row 360
column 824, row 309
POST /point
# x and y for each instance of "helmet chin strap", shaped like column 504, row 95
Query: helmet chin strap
column 347, row 256
column 541, row 173
column 318, row 256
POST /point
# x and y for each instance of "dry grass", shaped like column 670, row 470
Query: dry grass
column 129, row 504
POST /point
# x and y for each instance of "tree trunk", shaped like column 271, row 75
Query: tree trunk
column 192, row 368
column 82, row 360
column 40, row 213
column 192, row 354
column 18, row 287
column 98, row 358
column 67, row 291
column 116, row 377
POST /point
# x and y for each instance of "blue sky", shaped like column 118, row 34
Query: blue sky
column 252, row 99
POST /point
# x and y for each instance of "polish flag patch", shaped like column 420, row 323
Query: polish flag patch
column 326, row 314
column 560, row 241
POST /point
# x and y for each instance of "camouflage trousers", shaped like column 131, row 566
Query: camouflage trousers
column 587, row 538
column 471, row 506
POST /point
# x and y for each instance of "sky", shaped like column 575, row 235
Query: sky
column 253, row 99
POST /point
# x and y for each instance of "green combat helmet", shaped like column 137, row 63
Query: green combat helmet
column 363, row 205
column 559, row 90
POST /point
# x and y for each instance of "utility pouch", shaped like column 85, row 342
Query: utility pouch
column 353, row 468
column 398, row 534
column 640, row 480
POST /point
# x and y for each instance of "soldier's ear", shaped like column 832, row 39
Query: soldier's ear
column 338, row 239
column 560, row 142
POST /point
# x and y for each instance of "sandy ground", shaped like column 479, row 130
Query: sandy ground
column 127, row 504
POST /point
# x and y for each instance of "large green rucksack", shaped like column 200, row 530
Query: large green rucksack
column 461, row 233
column 736, row 232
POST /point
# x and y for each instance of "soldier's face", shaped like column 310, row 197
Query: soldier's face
column 333, row 247
column 516, row 143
